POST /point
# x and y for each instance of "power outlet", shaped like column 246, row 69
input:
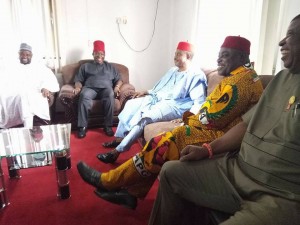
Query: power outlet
column 124, row 20
column 121, row 20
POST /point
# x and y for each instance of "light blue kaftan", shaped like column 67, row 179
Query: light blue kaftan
column 175, row 93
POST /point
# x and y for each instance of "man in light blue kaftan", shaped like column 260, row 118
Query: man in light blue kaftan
column 180, row 89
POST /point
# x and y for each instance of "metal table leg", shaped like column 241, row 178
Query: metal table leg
column 68, row 156
column 61, row 167
column 13, row 167
column 3, row 195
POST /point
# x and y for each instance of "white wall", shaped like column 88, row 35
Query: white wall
column 218, row 19
column 198, row 21
column 83, row 21
column 202, row 22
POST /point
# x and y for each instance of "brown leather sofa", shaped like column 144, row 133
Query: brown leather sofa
column 96, row 115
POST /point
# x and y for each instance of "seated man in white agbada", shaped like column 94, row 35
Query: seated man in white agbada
column 24, row 91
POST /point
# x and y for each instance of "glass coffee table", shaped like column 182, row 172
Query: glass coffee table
column 26, row 148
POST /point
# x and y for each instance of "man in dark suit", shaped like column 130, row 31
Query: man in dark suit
column 97, row 80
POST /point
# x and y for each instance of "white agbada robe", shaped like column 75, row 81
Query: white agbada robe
column 20, row 93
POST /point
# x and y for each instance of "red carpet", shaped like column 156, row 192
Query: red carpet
column 33, row 198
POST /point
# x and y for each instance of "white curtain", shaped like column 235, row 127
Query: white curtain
column 263, row 22
column 287, row 12
column 218, row 19
column 30, row 21
column 6, row 37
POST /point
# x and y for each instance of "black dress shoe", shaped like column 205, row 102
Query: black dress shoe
column 90, row 175
column 118, row 197
column 108, row 157
column 111, row 144
column 108, row 131
column 82, row 132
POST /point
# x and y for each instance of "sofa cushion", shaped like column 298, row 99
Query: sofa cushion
column 213, row 79
column 153, row 129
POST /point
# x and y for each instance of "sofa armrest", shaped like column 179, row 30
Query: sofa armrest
column 126, row 92
column 153, row 129
column 51, row 99
column 66, row 94
column 67, row 90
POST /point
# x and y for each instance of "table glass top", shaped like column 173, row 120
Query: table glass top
column 21, row 141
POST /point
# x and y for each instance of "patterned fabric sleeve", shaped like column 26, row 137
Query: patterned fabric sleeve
column 234, row 96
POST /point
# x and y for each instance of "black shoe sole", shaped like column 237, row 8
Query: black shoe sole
column 89, row 175
column 81, row 133
column 119, row 198
column 111, row 144
column 109, row 132
column 106, row 160
column 81, row 136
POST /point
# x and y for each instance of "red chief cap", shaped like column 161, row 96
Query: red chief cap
column 99, row 46
column 185, row 46
column 237, row 42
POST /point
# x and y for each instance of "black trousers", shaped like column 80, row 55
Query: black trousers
column 85, row 103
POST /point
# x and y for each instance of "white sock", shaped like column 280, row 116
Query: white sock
column 28, row 122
